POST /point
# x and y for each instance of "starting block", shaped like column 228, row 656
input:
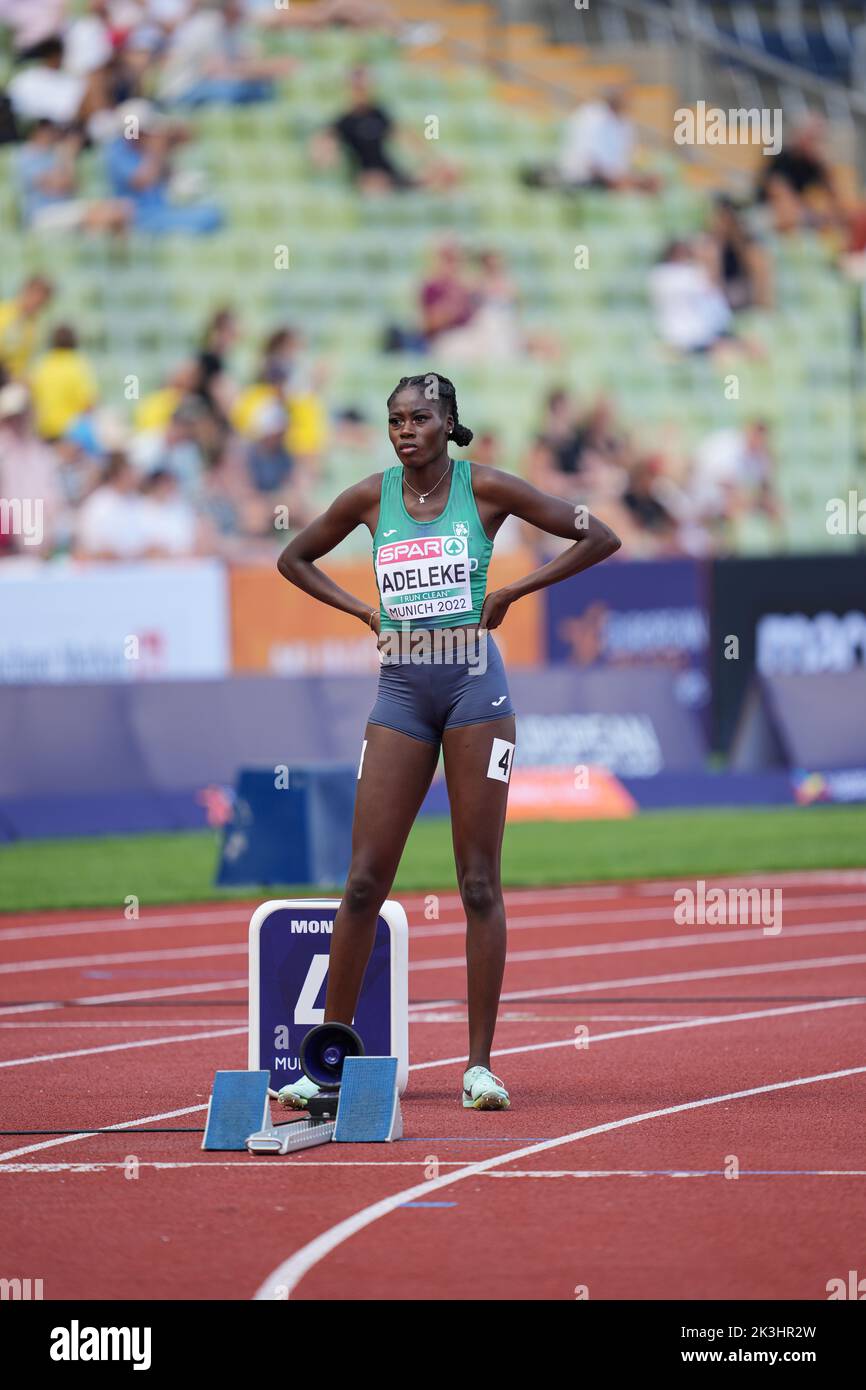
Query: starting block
column 239, row 1104
column 365, row 1111
column 368, row 1111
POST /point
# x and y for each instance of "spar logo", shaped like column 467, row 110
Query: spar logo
column 432, row 548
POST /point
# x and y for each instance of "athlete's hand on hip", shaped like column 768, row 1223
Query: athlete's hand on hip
column 496, row 605
column 375, row 623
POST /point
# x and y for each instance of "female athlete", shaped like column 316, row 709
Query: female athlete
column 442, row 683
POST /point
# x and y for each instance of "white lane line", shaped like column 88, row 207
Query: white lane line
column 457, row 927
column 600, row 948
column 29, row 967
column 50, row 1025
column 675, row 1173
column 96, row 925
column 450, row 1061
column 786, row 878
column 658, row 943
column 775, row 967
column 675, row 977
column 84, row 1000
column 655, row 943
column 514, row 899
column 125, row 1126
column 280, row 1284
column 241, row 1165
column 637, row 915
column 207, row 916
column 120, row 1047
column 592, row 1038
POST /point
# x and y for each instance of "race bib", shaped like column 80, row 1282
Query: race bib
column 424, row 578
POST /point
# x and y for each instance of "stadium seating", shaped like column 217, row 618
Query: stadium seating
column 355, row 267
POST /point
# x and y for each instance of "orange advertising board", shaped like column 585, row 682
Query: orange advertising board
column 566, row 793
column 277, row 628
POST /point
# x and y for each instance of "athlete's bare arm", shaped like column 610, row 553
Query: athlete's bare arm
column 500, row 495
column 357, row 506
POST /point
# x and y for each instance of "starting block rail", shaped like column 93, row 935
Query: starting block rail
column 291, row 1136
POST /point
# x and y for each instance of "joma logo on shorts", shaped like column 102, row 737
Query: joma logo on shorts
column 310, row 924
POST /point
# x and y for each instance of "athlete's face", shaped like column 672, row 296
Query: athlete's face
column 418, row 428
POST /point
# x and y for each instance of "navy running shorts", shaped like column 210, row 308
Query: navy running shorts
column 423, row 698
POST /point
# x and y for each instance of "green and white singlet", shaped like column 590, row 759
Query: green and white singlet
column 430, row 573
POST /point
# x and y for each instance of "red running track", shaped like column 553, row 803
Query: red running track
column 686, row 1116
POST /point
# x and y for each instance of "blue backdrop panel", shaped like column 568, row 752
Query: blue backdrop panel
column 301, row 833
column 288, row 978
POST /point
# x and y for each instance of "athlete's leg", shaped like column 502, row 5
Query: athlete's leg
column 478, row 798
column 395, row 773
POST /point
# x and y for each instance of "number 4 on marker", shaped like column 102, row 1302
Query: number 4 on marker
column 306, row 1013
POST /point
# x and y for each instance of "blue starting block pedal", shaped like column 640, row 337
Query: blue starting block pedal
column 239, row 1104
column 368, row 1111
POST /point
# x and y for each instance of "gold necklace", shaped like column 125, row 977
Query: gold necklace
column 422, row 496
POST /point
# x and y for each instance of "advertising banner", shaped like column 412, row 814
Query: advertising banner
column 642, row 612
column 277, row 628
column 105, row 623
column 791, row 616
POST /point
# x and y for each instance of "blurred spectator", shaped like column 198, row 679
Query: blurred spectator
column 798, row 184
column 140, row 169
column 269, row 462
column 215, row 386
column 284, row 376
column 571, row 443
column 212, row 57
column 644, row 499
column 81, row 454
column 734, row 474
column 29, row 484
column 448, row 298
column 691, row 312
column 363, row 133
column 273, row 472
column 30, row 24
column 89, row 39
column 110, row 521
column 111, row 46
column 469, row 311
column 492, row 331
column 155, row 410
column 228, row 511
column 597, row 150
column 44, row 90
column 62, row 384
column 168, row 522
column 743, row 265
column 47, row 177
column 351, row 14
column 19, row 324
column 183, row 448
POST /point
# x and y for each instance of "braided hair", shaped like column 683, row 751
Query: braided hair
column 436, row 387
